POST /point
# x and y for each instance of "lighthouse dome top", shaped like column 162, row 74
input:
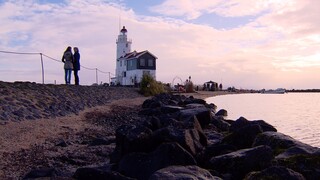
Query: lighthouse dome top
column 124, row 30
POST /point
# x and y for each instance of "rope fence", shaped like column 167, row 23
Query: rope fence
column 53, row 59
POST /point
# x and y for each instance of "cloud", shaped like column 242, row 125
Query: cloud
column 267, row 52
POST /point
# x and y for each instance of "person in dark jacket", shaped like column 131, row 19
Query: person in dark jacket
column 67, row 58
column 76, row 65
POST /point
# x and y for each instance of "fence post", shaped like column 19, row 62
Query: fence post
column 109, row 78
column 42, row 68
column 97, row 75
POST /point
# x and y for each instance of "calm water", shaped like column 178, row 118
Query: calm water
column 294, row 114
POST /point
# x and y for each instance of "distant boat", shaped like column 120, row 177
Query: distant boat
column 274, row 91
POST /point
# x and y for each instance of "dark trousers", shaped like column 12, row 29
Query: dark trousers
column 76, row 77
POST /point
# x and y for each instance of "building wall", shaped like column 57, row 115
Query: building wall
column 136, row 74
column 147, row 64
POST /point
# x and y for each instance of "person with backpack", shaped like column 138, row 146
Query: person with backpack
column 76, row 65
column 67, row 58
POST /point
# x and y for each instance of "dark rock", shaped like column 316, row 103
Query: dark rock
column 302, row 150
column 151, row 103
column 183, row 172
column 167, row 109
column 143, row 165
column 275, row 172
column 193, row 105
column 194, row 101
column 222, row 112
column 150, row 111
column 190, row 139
column 130, row 138
column 98, row 173
column 220, row 123
column 306, row 164
column 100, row 141
column 214, row 137
column 277, row 141
column 210, row 151
column 243, row 137
column 241, row 162
column 241, row 122
column 61, row 143
column 213, row 107
column 203, row 115
column 40, row 173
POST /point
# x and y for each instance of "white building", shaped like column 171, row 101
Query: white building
column 131, row 66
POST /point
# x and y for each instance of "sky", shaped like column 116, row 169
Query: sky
column 246, row 44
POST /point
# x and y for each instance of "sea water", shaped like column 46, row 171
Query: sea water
column 293, row 114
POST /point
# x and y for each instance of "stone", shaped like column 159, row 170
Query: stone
column 241, row 162
column 143, row 165
column 275, row 172
column 190, row 139
column 220, row 123
column 182, row 172
column 241, row 122
column 243, row 137
column 203, row 115
column 222, row 112
column 277, row 141
column 130, row 138
column 41, row 173
column 98, row 173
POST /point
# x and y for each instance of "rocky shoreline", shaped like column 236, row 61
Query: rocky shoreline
column 163, row 137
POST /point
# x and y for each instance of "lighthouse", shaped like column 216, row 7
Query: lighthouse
column 123, row 44
column 131, row 66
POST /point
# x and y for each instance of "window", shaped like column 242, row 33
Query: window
column 124, row 74
column 142, row 62
column 120, row 63
column 150, row 62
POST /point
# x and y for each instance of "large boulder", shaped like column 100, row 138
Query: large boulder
column 243, row 137
column 183, row 172
column 42, row 173
column 191, row 139
column 98, row 173
column 167, row 109
column 242, row 122
column 220, row 123
column 213, row 150
column 203, row 115
column 222, row 112
column 275, row 172
column 151, row 103
column 241, row 162
column 130, row 138
column 277, row 141
column 143, row 165
column 306, row 164
column 302, row 150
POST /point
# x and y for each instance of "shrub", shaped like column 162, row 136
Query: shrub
column 150, row 87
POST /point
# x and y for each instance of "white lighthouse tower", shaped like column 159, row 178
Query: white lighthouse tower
column 123, row 44
column 123, row 47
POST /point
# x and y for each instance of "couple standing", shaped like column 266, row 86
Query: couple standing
column 71, row 62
